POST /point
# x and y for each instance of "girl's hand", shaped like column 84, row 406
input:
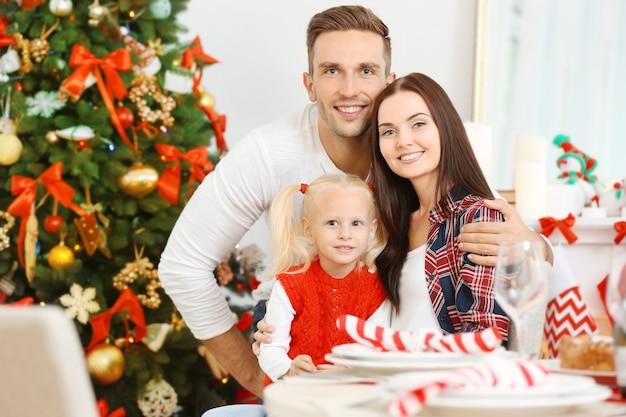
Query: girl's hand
column 301, row 363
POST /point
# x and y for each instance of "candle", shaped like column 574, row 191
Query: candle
column 530, row 189
column 531, row 148
column 530, row 175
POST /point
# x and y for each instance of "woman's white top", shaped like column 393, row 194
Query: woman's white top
column 416, row 309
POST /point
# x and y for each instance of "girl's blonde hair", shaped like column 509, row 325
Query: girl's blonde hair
column 290, row 247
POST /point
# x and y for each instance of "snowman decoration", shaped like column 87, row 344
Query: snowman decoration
column 577, row 168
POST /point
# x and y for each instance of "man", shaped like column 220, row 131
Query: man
column 349, row 54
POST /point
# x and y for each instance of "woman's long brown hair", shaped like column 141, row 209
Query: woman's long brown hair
column 396, row 196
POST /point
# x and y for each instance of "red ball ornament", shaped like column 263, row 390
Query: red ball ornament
column 125, row 116
column 53, row 223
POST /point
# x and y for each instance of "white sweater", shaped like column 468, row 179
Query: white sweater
column 224, row 207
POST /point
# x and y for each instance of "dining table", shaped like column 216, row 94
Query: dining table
column 353, row 392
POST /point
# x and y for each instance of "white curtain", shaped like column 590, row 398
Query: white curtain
column 557, row 67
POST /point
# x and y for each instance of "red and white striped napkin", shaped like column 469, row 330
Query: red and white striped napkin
column 424, row 340
column 500, row 374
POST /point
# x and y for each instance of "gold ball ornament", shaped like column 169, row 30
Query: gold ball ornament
column 139, row 180
column 105, row 363
column 51, row 137
column 61, row 8
column 206, row 99
column 60, row 256
column 10, row 149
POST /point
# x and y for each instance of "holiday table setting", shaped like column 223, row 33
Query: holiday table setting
column 424, row 373
column 398, row 373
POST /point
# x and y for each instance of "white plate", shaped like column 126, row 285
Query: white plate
column 418, row 363
column 361, row 357
column 520, row 406
column 358, row 351
column 555, row 384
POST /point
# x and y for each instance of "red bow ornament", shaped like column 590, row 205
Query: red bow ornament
column 26, row 190
column 103, row 410
column 192, row 56
column 169, row 181
column 548, row 224
column 86, row 63
column 219, row 126
column 127, row 301
column 5, row 40
column 30, row 4
column 620, row 228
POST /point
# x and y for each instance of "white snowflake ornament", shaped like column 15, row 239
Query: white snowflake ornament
column 44, row 104
column 80, row 303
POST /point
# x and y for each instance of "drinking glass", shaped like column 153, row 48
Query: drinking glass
column 616, row 289
column 616, row 304
column 521, row 284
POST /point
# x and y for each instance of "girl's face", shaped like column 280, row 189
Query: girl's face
column 342, row 226
column 408, row 137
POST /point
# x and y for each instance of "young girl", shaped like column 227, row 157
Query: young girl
column 324, row 267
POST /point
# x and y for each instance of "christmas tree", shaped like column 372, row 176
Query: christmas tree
column 105, row 132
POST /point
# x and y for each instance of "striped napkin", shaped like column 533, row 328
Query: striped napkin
column 423, row 340
column 498, row 374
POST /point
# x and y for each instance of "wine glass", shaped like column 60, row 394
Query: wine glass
column 521, row 286
column 616, row 289
column 616, row 304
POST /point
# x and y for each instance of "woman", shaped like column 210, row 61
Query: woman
column 428, row 185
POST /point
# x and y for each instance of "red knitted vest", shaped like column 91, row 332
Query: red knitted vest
column 319, row 299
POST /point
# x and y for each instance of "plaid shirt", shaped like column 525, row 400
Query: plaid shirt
column 462, row 292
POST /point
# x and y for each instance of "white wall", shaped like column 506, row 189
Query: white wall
column 261, row 48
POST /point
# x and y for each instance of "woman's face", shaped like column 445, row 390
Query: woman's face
column 408, row 137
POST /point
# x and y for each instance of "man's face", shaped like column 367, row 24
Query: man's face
column 348, row 74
